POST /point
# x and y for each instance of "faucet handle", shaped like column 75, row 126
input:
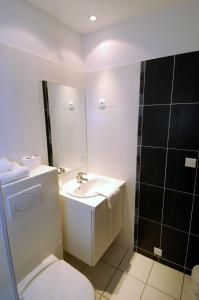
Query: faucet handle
column 81, row 173
column 61, row 170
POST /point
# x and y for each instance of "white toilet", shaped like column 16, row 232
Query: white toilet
column 55, row 279
column 34, row 227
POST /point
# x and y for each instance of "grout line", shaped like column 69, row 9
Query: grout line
column 190, row 223
column 187, row 232
column 182, row 286
column 116, row 270
column 167, row 260
column 117, row 267
column 147, row 280
column 165, row 174
column 169, row 148
column 167, row 104
column 155, row 288
column 167, row 188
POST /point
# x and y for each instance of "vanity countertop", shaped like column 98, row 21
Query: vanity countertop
column 91, row 201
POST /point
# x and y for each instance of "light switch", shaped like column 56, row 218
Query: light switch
column 71, row 105
column 102, row 103
column 190, row 162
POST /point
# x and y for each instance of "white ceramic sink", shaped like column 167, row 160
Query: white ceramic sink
column 90, row 188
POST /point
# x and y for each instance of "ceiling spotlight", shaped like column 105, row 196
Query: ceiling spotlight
column 93, row 18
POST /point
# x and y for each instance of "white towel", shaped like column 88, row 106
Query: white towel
column 17, row 173
column 5, row 165
column 109, row 192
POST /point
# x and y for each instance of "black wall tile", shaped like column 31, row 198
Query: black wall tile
column 186, row 87
column 148, row 235
column 138, row 167
column 142, row 82
column 136, row 232
column 193, row 252
column 147, row 254
column 177, row 209
column 197, row 183
column 156, row 90
column 151, row 199
column 171, row 265
column 184, row 127
column 158, row 80
column 153, row 166
column 174, row 245
column 155, row 125
column 179, row 177
column 137, row 199
column 140, row 116
column 195, row 217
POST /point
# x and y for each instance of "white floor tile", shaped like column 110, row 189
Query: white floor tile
column 100, row 275
column 97, row 296
column 136, row 265
column 166, row 279
column 114, row 254
column 186, row 292
column 153, row 294
column 124, row 287
column 73, row 261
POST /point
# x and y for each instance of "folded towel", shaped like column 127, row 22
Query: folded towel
column 109, row 192
column 5, row 165
column 17, row 173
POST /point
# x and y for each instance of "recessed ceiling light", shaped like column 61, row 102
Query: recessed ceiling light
column 93, row 18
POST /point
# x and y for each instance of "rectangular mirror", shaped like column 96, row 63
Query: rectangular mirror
column 65, row 116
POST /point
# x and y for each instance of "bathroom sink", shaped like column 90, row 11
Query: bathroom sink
column 88, row 189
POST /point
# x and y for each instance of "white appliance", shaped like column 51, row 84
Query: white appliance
column 34, row 227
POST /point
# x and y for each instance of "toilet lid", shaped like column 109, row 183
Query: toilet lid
column 60, row 281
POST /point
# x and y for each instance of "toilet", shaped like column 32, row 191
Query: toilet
column 34, row 227
column 55, row 279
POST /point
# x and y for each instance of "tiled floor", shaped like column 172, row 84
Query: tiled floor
column 126, row 275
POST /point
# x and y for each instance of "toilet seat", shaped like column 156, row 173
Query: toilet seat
column 59, row 281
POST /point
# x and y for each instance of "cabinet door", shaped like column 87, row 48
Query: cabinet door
column 102, row 230
column 76, row 229
column 117, row 215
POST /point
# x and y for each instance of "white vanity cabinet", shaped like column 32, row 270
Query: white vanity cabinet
column 89, row 226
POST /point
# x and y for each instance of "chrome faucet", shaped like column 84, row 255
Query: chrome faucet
column 80, row 177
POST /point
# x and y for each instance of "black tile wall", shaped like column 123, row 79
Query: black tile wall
column 174, row 245
column 178, row 176
column 153, row 169
column 195, row 217
column 155, row 125
column 167, row 191
column 193, row 252
column 148, row 234
column 186, row 87
column 151, row 198
column 184, row 133
column 177, row 209
column 158, row 81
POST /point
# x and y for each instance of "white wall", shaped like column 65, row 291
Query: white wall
column 49, row 50
column 22, row 126
column 174, row 30
column 26, row 27
column 112, row 132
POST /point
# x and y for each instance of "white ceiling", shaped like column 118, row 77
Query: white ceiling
column 75, row 13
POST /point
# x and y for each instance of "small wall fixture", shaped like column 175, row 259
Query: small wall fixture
column 93, row 18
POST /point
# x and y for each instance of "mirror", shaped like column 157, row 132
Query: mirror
column 65, row 116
